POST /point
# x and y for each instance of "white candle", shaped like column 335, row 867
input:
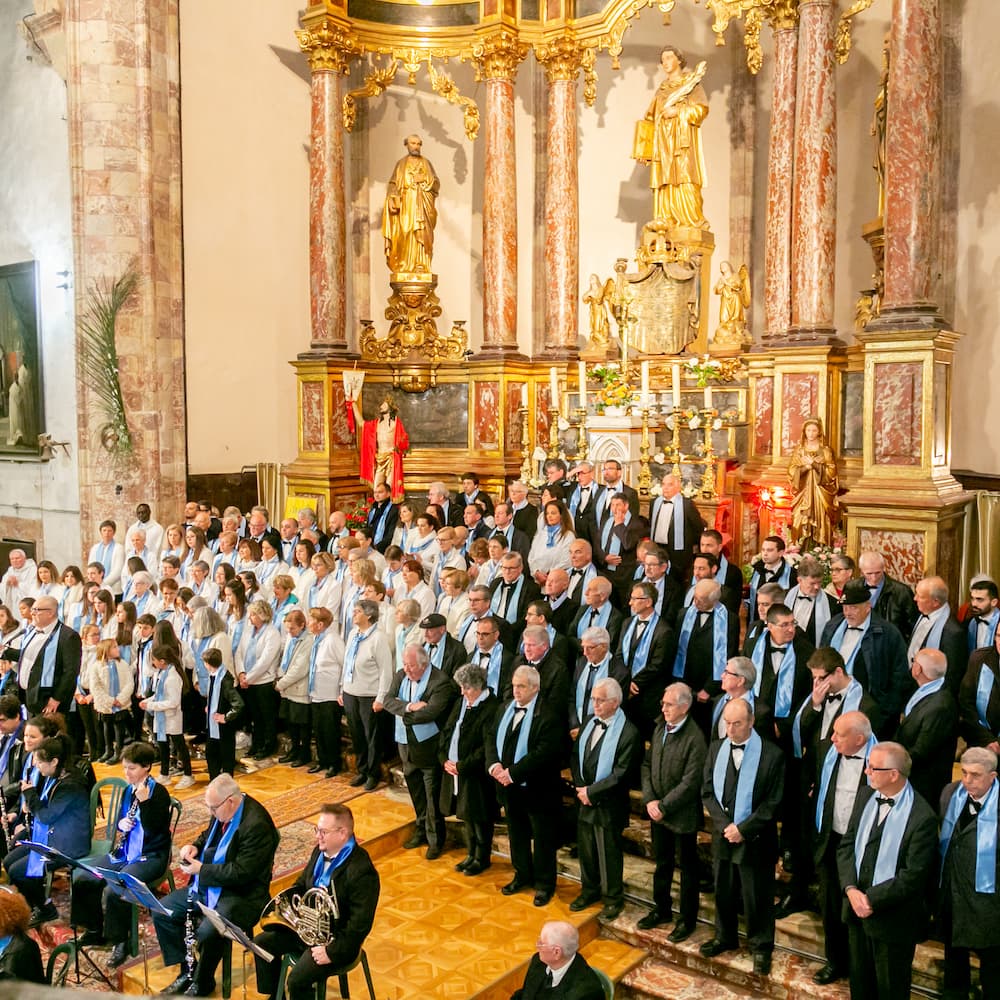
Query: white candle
column 675, row 374
column 582, row 375
column 708, row 397
column 554, row 388
column 644, row 384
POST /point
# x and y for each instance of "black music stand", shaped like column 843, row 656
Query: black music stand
column 227, row 929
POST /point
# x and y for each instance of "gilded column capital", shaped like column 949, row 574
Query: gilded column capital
column 564, row 57
column 498, row 54
column 328, row 46
column 783, row 15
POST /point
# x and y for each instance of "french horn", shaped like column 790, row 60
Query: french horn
column 311, row 915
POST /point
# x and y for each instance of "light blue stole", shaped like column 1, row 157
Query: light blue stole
column 747, row 775
column 984, row 688
column 638, row 662
column 325, row 867
column 986, row 835
column 892, row 835
column 213, row 893
column 456, row 734
column 408, row 691
column 521, row 747
column 609, row 744
column 924, row 691
column 853, row 694
column 40, row 834
column 313, row 654
column 212, row 708
column 600, row 621
column 820, row 604
column 973, row 631
column 493, row 670
column 286, row 658
column 784, row 581
column 515, row 597
column 133, row 843
column 352, row 651
column 160, row 717
column 786, row 676
column 824, row 782
column 720, row 640
column 582, row 708
column 611, row 544
column 837, row 640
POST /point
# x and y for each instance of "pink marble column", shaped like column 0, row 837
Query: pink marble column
column 781, row 153
column 814, row 200
column 913, row 161
column 562, row 218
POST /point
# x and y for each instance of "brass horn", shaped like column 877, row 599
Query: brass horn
column 311, row 915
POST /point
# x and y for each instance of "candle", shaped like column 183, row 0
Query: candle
column 644, row 384
column 554, row 388
column 582, row 376
column 675, row 373
column 708, row 397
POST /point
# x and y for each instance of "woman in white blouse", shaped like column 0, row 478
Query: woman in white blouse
column 550, row 547
column 256, row 670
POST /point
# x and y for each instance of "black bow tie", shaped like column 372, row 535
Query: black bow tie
column 982, row 621
column 802, row 597
column 974, row 806
column 884, row 801
column 576, row 572
column 600, row 725
column 854, row 628
column 834, row 697
column 738, row 747
column 508, row 585
column 778, row 649
column 855, row 756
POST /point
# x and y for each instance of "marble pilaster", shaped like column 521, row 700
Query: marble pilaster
column 781, row 155
column 814, row 201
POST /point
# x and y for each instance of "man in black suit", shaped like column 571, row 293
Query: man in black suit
column 517, row 540
column 675, row 524
column 619, row 536
column 643, row 656
column 979, row 698
column 614, row 483
column 479, row 604
column 772, row 567
column 811, row 605
column 525, row 763
column 738, row 680
column 937, row 628
column 596, row 611
column 888, row 872
column 890, row 599
column 584, row 501
column 839, row 777
column 562, row 607
column 552, row 671
column 704, row 566
column 874, row 652
column 606, row 753
column 523, row 513
column 594, row 664
column 259, row 529
column 343, row 867
column 582, row 569
column 929, row 727
column 728, row 574
column 513, row 591
column 475, row 525
column 669, row 593
column 742, row 792
column 984, row 614
column 439, row 494
column 446, row 653
column 671, row 793
column 420, row 698
column 383, row 516
column 969, row 899
column 48, row 661
column 232, row 859
column 490, row 654
column 557, row 970
column 472, row 494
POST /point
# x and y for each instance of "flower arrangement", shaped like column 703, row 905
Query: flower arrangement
column 704, row 370
column 615, row 390
column 357, row 516
column 823, row 554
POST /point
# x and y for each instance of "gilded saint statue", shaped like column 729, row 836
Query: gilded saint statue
column 734, row 300
column 410, row 212
column 879, row 123
column 813, row 474
column 669, row 140
column 600, row 299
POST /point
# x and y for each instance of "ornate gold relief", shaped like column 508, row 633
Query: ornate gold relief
column 444, row 85
column 842, row 45
column 783, row 15
column 780, row 13
column 564, row 57
column 374, row 84
column 328, row 46
column 497, row 55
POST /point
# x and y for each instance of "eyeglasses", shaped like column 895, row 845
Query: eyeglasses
column 868, row 767
column 215, row 808
column 731, row 673
column 323, row 831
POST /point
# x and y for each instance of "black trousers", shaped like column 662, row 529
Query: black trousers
column 363, row 724
column 879, row 968
column 324, row 717
column 89, row 893
column 666, row 846
column 533, row 839
column 956, row 971
column 220, row 754
column 262, row 708
column 116, row 729
column 94, row 732
column 281, row 941
column 424, row 786
column 30, row 886
column 757, row 883
column 831, row 901
column 600, row 847
column 180, row 752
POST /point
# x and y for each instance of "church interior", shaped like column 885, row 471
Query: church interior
column 832, row 263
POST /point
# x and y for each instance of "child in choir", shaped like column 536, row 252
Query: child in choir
column 111, row 685
column 164, row 703
column 223, row 707
column 90, row 636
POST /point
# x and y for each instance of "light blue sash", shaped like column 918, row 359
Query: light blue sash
column 40, row 834
column 609, row 744
column 352, row 652
column 250, row 657
column 892, row 835
column 720, row 640
column 986, row 835
column 824, row 782
column 325, row 867
column 114, row 687
column 746, row 779
column 983, row 691
column 642, row 650
column 160, row 717
column 853, row 694
column 213, row 893
column 924, row 691
column 601, row 621
column 522, row 731
column 973, row 632
column 837, row 640
column 493, row 670
column 582, row 708
column 212, row 708
column 238, row 634
column 786, row 676
column 286, row 658
column 409, row 692
column 515, row 597
column 784, row 581
column 313, row 653
column 611, row 543
column 820, row 604
column 456, row 733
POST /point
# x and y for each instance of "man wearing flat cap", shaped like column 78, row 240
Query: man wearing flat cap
column 445, row 652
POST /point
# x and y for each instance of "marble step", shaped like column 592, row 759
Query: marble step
column 654, row 979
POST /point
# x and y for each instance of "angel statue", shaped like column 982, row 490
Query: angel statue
column 600, row 299
column 734, row 294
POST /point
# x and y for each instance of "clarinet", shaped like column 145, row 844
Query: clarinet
column 117, row 852
column 189, row 938
column 4, row 822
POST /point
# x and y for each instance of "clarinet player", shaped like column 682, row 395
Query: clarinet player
column 141, row 848
column 341, row 867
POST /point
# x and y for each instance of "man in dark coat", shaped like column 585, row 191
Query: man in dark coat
column 420, row 697
column 889, row 598
column 518, row 541
column 557, row 971
column 513, row 590
column 888, row 873
column 979, row 698
column 584, row 501
column 342, row 867
column 524, row 514
column 937, row 628
column 48, row 661
column 671, row 792
column 383, row 515
column 970, row 901
column 595, row 663
column 675, row 524
column 603, row 759
column 617, row 541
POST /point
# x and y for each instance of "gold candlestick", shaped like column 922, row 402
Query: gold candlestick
column 645, row 476
column 708, row 478
column 581, row 433
column 525, row 447
column 674, row 451
column 553, row 432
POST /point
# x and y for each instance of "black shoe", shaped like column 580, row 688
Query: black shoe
column 611, row 911
column 259, row 755
column 115, row 758
column 681, row 932
column 179, row 985
column 43, row 914
column 371, row 784
column 433, row 852
column 301, row 763
column 286, row 758
column 203, row 990
column 464, row 863
column 314, row 768
column 652, row 919
column 515, row 885
column 543, row 896
column 762, row 963
column 477, row 868
column 119, row 956
column 787, row 861
column 417, row 840
column 582, row 901
column 713, row 947
column 358, row 780
column 828, row 974
column 332, row 772
column 93, row 939
column 789, row 905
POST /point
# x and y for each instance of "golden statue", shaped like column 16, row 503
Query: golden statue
column 879, row 123
column 812, row 471
column 600, row 299
column 734, row 294
column 669, row 139
column 410, row 212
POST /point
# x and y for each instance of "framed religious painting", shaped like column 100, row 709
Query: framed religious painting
column 22, row 416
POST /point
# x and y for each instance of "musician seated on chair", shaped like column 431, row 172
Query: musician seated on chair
column 230, row 871
column 141, row 847
column 59, row 813
column 342, row 868
column 20, row 956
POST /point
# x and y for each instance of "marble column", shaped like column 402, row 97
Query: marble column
column 814, row 200
column 562, row 200
column 497, row 57
column 328, row 61
column 781, row 154
column 913, row 163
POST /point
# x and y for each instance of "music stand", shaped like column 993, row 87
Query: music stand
column 136, row 892
column 227, row 929
column 65, row 861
